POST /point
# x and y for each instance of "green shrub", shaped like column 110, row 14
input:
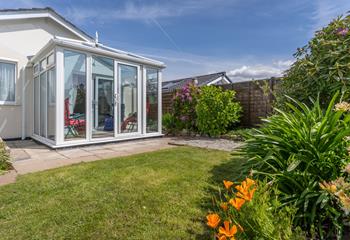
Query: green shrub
column 169, row 123
column 4, row 157
column 216, row 110
column 296, row 150
column 322, row 66
column 183, row 108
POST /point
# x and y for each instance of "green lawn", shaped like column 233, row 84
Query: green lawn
column 159, row 195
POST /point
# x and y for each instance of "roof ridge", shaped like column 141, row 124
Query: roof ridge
column 203, row 75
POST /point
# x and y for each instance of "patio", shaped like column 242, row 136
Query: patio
column 29, row 156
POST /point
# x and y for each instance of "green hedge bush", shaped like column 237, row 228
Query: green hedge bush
column 4, row 157
column 321, row 68
column 216, row 110
column 297, row 149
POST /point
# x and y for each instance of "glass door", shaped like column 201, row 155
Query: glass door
column 103, row 103
column 129, row 99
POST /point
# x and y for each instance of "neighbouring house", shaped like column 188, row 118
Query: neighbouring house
column 219, row 78
column 60, row 86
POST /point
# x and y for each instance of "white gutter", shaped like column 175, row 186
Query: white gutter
column 92, row 48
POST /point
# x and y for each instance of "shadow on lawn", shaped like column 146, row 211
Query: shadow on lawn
column 229, row 170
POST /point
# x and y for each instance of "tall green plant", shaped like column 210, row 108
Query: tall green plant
column 216, row 110
column 297, row 149
column 322, row 66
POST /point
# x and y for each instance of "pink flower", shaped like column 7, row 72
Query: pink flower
column 342, row 31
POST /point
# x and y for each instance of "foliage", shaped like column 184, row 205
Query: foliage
column 4, row 157
column 184, row 105
column 216, row 110
column 322, row 66
column 145, row 196
column 169, row 123
column 253, row 214
column 297, row 149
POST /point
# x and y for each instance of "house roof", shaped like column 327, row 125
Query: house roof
column 88, row 44
column 202, row 80
column 25, row 13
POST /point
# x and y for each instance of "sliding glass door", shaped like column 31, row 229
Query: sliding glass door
column 102, row 97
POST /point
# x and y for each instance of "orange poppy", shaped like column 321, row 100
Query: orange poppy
column 237, row 203
column 222, row 237
column 228, row 184
column 227, row 231
column 224, row 206
column 213, row 220
column 247, row 194
column 249, row 182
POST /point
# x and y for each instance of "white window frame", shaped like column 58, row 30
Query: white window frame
column 15, row 63
column 140, row 124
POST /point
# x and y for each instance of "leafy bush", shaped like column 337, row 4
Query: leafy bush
column 296, row 150
column 4, row 157
column 216, row 110
column 252, row 214
column 322, row 66
column 169, row 123
column 184, row 105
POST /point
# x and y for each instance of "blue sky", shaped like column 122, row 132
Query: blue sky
column 246, row 38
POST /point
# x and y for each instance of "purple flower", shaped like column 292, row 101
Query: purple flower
column 342, row 31
column 183, row 118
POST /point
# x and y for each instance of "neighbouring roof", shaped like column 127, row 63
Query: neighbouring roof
column 201, row 80
column 23, row 13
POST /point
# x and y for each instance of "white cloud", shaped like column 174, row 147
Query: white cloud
column 247, row 72
column 326, row 11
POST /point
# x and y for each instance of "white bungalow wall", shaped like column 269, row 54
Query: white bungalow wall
column 20, row 39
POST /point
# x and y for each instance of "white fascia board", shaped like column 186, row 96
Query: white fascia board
column 91, row 49
column 45, row 15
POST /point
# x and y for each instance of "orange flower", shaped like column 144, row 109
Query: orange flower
column 224, row 206
column 228, row 184
column 213, row 220
column 246, row 194
column 227, row 231
column 222, row 237
column 237, row 203
column 249, row 182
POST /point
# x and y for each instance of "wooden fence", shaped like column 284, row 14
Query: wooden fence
column 255, row 97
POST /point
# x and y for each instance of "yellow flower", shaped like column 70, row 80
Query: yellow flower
column 228, row 184
column 237, row 203
column 227, row 231
column 224, row 206
column 328, row 187
column 213, row 220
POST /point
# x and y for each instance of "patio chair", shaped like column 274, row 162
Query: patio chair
column 72, row 122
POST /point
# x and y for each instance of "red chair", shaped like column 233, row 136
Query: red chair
column 72, row 121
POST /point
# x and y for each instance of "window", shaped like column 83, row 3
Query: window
column 50, row 59
column 152, row 100
column 43, row 65
column 7, row 82
column 74, row 95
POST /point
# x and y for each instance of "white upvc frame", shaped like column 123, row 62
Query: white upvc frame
column 118, row 136
column 37, row 75
column 159, row 88
column 139, row 99
column 15, row 63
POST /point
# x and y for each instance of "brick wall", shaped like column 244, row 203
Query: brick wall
column 255, row 97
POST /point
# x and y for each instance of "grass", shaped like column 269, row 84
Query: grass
column 158, row 195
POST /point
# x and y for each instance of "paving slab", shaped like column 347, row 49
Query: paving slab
column 29, row 156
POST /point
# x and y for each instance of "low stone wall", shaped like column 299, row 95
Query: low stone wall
column 255, row 97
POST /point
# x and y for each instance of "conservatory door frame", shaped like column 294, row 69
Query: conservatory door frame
column 117, row 90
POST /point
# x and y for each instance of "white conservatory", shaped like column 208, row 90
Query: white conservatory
column 86, row 93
